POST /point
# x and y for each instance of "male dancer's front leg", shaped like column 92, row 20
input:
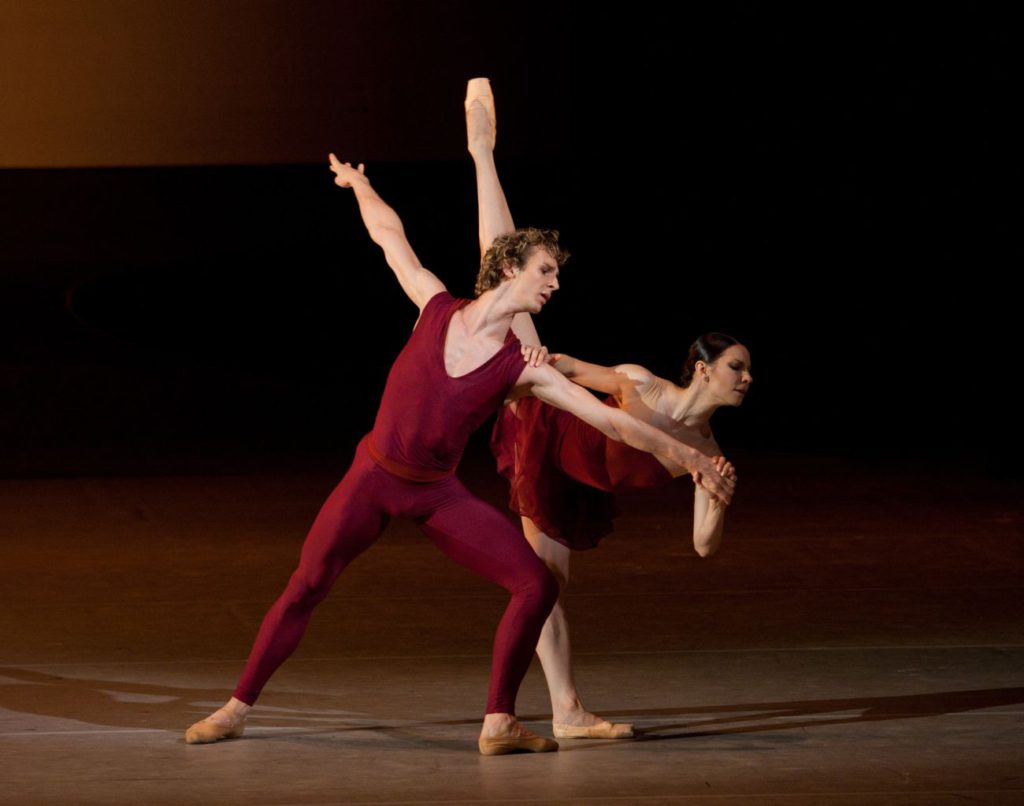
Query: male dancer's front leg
column 347, row 525
column 478, row 537
column 570, row 718
column 466, row 530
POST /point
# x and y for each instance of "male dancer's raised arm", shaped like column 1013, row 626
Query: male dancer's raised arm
column 386, row 230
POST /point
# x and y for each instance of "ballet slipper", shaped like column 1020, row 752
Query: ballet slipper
column 478, row 90
column 603, row 730
column 206, row 731
column 525, row 742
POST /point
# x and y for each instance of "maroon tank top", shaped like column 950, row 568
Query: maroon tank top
column 426, row 416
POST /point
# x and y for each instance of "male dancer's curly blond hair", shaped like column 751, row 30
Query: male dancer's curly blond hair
column 515, row 248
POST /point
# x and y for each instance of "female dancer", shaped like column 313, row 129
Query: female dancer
column 562, row 471
column 459, row 364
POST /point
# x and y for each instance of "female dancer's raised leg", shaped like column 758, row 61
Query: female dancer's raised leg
column 570, row 718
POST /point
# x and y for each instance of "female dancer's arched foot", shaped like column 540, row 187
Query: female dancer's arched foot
column 581, row 724
column 573, row 721
column 503, row 734
column 224, row 723
column 481, row 123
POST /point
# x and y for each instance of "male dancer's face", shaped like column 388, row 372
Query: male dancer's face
column 536, row 281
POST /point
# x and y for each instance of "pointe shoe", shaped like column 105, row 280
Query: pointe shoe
column 205, row 732
column 526, row 742
column 603, row 730
column 478, row 90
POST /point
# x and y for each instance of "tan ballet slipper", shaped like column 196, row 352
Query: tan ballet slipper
column 205, row 731
column 603, row 730
column 525, row 742
column 478, row 90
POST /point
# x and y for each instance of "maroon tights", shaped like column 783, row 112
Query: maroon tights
column 467, row 530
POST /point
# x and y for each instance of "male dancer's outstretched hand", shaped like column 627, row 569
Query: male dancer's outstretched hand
column 385, row 229
column 345, row 174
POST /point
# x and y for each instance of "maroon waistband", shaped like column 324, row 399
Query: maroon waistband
column 403, row 471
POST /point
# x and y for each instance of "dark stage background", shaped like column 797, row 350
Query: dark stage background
column 183, row 289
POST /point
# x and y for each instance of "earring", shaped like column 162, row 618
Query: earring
column 707, row 379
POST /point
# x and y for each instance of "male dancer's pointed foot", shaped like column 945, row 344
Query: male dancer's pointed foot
column 481, row 121
column 221, row 724
column 523, row 742
column 602, row 730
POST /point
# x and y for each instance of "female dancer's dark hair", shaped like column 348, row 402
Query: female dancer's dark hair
column 707, row 348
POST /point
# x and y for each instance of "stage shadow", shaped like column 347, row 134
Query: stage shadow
column 119, row 704
column 799, row 714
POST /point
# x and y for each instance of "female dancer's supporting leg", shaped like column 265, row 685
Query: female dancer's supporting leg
column 570, row 720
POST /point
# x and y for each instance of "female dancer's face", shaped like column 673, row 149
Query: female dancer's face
column 729, row 375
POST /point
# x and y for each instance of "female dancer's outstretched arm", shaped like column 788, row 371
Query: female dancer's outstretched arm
column 709, row 514
column 549, row 386
column 631, row 382
column 624, row 381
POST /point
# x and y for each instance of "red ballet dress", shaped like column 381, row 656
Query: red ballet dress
column 563, row 471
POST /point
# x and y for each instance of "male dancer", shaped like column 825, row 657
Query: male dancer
column 459, row 365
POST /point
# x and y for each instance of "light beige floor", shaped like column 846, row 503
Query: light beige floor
column 857, row 641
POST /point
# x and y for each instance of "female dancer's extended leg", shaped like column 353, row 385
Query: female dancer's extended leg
column 571, row 719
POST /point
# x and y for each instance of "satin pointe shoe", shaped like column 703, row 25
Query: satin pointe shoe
column 478, row 90
column 526, row 742
column 603, row 730
column 205, row 732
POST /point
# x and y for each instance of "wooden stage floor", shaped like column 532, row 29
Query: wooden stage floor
column 858, row 640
